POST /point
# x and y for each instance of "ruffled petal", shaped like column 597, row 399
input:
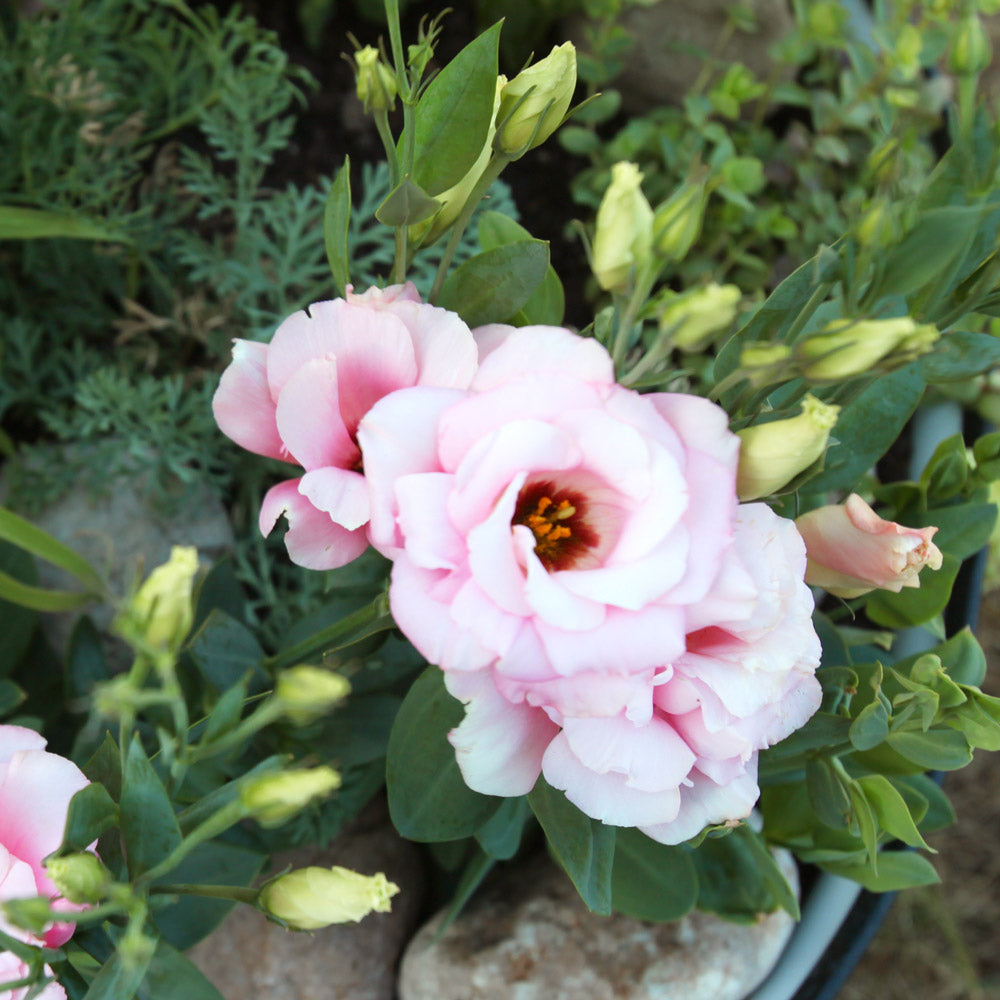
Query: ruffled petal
column 341, row 493
column 243, row 406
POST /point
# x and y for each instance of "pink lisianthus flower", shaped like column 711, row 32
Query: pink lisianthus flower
column 852, row 551
column 35, row 789
column 300, row 398
column 572, row 555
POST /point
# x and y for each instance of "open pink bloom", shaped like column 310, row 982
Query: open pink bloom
column 35, row 789
column 300, row 398
column 853, row 551
column 571, row 554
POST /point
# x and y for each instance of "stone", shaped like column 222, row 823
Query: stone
column 662, row 63
column 528, row 936
column 248, row 956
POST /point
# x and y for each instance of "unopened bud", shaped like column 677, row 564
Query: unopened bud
column 534, row 104
column 375, row 82
column 80, row 878
column 694, row 317
column 162, row 608
column 847, row 348
column 310, row 898
column 306, row 693
column 773, row 454
column 273, row 799
column 677, row 222
column 624, row 229
column 970, row 48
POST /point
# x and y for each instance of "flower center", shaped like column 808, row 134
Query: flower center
column 556, row 519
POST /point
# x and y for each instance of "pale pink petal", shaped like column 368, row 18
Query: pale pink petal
column 552, row 603
column 243, row 406
column 499, row 746
column 14, row 738
column 583, row 696
column 431, row 540
column 309, row 420
column 496, row 629
column 489, row 337
column 702, row 426
column 313, row 539
column 445, row 350
column 341, row 493
column 383, row 298
column 531, row 350
column 491, row 554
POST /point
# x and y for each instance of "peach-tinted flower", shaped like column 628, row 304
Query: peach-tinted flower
column 300, row 399
column 571, row 554
column 852, row 550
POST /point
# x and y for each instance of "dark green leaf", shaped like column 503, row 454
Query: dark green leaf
column 91, row 812
column 227, row 712
column 18, row 223
column 11, row 696
column 428, row 798
column 171, row 976
column 475, row 870
column 224, row 650
column 18, row 622
column 453, row 115
column 870, row 727
column 336, row 222
column 118, row 981
column 583, row 846
column 405, row 205
column 500, row 835
column 652, row 881
column 962, row 529
column 960, row 355
column 939, row 812
column 828, row 794
column 85, row 662
column 915, row 605
column 868, row 425
column 493, row 286
column 219, row 588
column 149, row 827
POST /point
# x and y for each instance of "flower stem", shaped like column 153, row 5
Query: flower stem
column 239, row 893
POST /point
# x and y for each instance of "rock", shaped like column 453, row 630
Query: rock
column 248, row 956
column 529, row 937
column 662, row 64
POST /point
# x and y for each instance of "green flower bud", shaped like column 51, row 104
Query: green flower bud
column 375, row 82
column 765, row 364
column 80, row 878
column 310, row 898
column 306, row 693
column 970, row 47
column 162, row 607
column 534, row 104
column 33, row 914
column 677, row 221
column 694, row 317
column 624, row 231
column 844, row 349
column 273, row 799
column 773, row 454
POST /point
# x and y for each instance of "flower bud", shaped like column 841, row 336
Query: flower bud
column 850, row 550
column 375, row 82
column 534, row 104
column 307, row 692
column 273, row 799
column 310, row 898
column 80, row 878
column 624, row 229
column 844, row 349
column 694, row 317
column 162, row 607
column 677, row 222
column 765, row 364
column 33, row 914
column 773, row 454
column 970, row 48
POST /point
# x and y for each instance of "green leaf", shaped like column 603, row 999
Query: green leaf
column 500, row 836
column 891, row 810
column 960, row 355
column 428, row 798
column 871, row 726
column 85, row 662
column 548, row 302
column 39, row 598
column 171, row 976
column 979, row 721
column 219, row 588
column 39, row 543
column 191, row 918
column 336, row 223
column 18, row 223
column 652, row 881
column 963, row 529
column 896, row 870
column 11, row 696
column 937, row 750
column 453, row 116
column 224, row 650
column 91, row 812
column 405, row 205
column 829, row 795
column 118, row 981
column 226, row 713
column 915, row 605
column 149, row 827
column 864, row 818
column 939, row 812
column 584, row 847
column 18, row 622
column 493, row 286
column 867, row 426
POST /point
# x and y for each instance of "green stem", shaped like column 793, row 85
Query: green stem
column 396, row 43
column 366, row 621
column 240, row 894
column 643, row 286
column 381, row 117
column 490, row 173
column 267, row 713
column 815, row 301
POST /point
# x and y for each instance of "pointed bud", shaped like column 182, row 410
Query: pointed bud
column 853, row 347
column 971, row 51
column 310, row 898
column 851, row 550
column 677, row 221
column 306, row 693
column 374, row 81
column 162, row 608
column 534, row 103
column 766, row 364
column 80, row 878
column 273, row 799
column 623, row 235
column 694, row 317
column 773, row 454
